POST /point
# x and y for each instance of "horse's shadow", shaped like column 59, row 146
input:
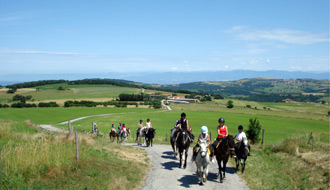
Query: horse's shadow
column 168, row 152
column 188, row 180
column 231, row 170
column 170, row 165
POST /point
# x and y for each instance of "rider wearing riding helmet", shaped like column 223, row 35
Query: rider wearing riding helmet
column 184, row 126
column 222, row 132
column 203, row 136
column 148, row 125
column 119, row 128
column 123, row 128
column 140, row 126
column 240, row 137
column 113, row 128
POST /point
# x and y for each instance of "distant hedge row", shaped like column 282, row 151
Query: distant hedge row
column 25, row 105
column 83, row 103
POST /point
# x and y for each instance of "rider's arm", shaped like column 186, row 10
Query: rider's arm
column 150, row 125
column 226, row 131
column 188, row 127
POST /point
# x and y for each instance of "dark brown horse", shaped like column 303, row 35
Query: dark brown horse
column 182, row 144
column 113, row 134
column 222, row 152
column 150, row 136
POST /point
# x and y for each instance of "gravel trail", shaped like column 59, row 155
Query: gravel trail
column 165, row 174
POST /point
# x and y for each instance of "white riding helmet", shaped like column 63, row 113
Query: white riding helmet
column 204, row 129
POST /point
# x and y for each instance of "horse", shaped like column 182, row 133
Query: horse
column 123, row 136
column 182, row 144
column 113, row 134
column 128, row 131
column 173, row 141
column 141, row 134
column 202, row 162
column 150, row 135
column 242, row 152
column 223, row 150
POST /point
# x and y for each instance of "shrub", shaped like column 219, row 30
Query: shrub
column 47, row 104
column 253, row 131
column 248, row 106
column 217, row 96
column 5, row 106
column 61, row 88
column 230, row 104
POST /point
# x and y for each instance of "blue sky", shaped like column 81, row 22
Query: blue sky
column 50, row 37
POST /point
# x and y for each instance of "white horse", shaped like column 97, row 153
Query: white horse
column 202, row 162
column 142, row 134
column 124, row 136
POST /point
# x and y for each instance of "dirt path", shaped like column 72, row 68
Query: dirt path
column 165, row 173
column 51, row 128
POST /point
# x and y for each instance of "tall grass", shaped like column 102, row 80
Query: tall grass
column 290, row 164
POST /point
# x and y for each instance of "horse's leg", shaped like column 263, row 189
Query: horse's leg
column 180, row 152
column 224, row 166
column 185, row 158
column 243, row 165
column 220, row 170
column 151, row 141
column 200, row 171
column 237, row 163
column 205, row 173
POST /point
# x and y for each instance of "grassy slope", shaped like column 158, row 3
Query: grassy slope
column 50, row 92
column 34, row 159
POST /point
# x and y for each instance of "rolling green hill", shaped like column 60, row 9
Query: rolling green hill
column 262, row 89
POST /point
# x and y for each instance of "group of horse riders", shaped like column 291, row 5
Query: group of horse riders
column 121, row 128
column 140, row 126
column 222, row 131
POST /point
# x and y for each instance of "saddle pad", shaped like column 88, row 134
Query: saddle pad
column 198, row 149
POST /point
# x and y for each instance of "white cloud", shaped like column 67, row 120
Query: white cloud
column 287, row 36
column 226, row 66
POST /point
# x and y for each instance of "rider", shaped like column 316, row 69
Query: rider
column 240, row 137
column 119, row 128
column 140, row 126
column 175, row 128
column 203, row 136
column 184, row 126
column 113, row 128
column 148, row 125
column 94, row 127
column 123, row 128
column 222, row 133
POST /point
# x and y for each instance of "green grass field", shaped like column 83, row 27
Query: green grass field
column 50, row 92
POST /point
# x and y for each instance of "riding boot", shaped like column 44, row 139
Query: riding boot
column 249, row 150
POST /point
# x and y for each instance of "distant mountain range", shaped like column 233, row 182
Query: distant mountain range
column 171, row 77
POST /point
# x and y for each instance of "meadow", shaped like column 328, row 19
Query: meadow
column 282, row 123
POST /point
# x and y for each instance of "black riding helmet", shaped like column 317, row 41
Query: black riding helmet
column 221, row 120
column 140, row 120
column 240, row 127
column 183, row 115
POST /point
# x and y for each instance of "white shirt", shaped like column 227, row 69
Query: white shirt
column 240, row 136
column 148, row 125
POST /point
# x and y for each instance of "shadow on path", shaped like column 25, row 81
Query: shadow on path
column 170, row 165
column 188, row 180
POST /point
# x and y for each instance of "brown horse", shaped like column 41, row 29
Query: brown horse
column 223, row 151
column 113, row 134
column 182, row 144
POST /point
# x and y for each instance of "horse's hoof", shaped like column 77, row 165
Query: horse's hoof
column 204, row 180
column 201, row 183
column 221, row 181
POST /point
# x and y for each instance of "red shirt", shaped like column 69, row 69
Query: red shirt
column 122, row 128
column 222, row 131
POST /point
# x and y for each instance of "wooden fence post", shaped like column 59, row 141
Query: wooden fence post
column 310, row 137
column 263, row 136
column 166, row 138
column 77, row 148
column 69, row 125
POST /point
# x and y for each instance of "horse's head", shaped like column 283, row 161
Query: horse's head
column 203, row 148
column 152, row 132
column 128, row 131
column 230, row 144
column 184, row 137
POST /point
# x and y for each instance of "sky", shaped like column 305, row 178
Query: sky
column 125, row 36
